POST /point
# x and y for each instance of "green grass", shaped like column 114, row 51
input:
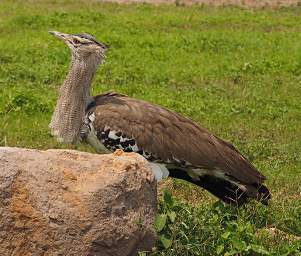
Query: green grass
column 237, row 72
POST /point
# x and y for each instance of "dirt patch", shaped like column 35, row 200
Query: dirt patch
column 241, row 3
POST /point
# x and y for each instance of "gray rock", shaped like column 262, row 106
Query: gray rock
column 64, row 202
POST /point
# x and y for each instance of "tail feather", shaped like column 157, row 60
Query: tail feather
column 227, row 191
column 223, row 189
column 264, row 195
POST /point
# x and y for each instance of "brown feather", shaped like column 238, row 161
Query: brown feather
column 169, row 135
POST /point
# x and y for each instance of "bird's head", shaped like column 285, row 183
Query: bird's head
column 82, row 45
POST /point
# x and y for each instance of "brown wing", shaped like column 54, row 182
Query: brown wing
column 169, row 136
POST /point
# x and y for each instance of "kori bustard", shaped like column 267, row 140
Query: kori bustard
column 174, row 145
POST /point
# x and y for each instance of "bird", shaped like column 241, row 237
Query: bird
column 173, row 144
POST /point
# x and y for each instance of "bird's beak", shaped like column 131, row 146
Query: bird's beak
column 60, row 35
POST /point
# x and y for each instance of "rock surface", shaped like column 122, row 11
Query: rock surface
column 64, row 202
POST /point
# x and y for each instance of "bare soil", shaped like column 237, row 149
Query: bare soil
column 241, row 3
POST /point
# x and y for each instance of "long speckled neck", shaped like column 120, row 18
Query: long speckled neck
column 74, row 96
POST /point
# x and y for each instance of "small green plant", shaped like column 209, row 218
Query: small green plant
column 167, row 215
column 238, row 237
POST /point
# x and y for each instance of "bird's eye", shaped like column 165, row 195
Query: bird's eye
column 76, row 41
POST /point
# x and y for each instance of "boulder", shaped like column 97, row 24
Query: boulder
column 65, row 202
